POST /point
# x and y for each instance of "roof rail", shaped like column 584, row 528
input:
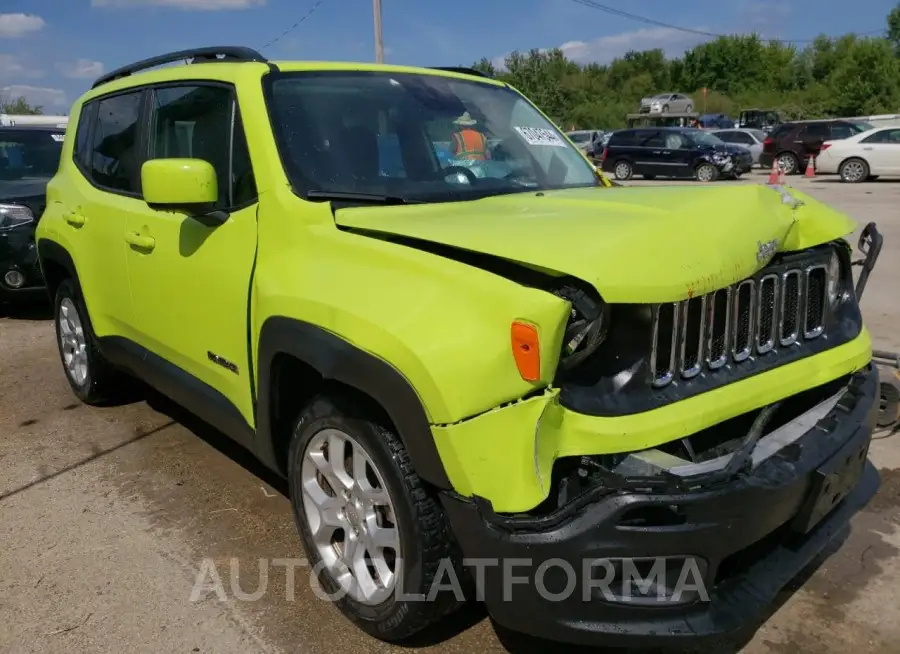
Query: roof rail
column 462, row 69
column 196, row 55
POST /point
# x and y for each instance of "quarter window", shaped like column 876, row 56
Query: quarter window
column 115, row 160
column 201, row 122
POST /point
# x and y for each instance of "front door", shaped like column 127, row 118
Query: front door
column 190, row 282
column 882, row 151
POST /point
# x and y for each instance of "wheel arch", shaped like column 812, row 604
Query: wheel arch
column 56, row 265
column 297, row 360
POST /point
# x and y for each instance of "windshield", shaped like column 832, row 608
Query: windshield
column 862, row 126
column 416, row 137
column 580, row 137
column 705, row 138
column 29, row 154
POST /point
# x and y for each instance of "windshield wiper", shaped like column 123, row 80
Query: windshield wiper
column 347, row 196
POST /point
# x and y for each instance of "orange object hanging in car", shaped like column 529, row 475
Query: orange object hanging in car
column 526, row 350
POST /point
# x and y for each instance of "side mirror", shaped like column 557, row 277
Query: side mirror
column 188, row 185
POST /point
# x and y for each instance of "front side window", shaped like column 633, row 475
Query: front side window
column 418, row 137
column 705, row 138
column 114, row 157
column 891, row 136
column 195, row 122
column 28, row 155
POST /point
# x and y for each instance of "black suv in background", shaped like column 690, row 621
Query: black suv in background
column 792, row 144
column 673, row 152
column 29, row 157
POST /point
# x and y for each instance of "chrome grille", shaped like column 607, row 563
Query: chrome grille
column 754, row 317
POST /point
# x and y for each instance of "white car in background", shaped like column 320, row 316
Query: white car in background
column 861, row 157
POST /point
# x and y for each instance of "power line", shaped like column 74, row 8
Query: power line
column 290, row 29
column 650, row 21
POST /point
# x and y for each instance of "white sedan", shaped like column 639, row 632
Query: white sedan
column 863, row 156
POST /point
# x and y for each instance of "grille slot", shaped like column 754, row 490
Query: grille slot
column 781, row 308
column 789, row 327
column 816, row 288
column 765, row 322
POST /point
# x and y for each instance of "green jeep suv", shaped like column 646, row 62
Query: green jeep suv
column 614, row 414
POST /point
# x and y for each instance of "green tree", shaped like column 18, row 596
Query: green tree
column 19, row 106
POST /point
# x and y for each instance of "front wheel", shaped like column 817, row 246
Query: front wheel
column 706, row 173
column 854, row 171
column 370, row 528
column 623, row 171
column 665, row 109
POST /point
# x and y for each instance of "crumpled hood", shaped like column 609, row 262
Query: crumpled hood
column 633, row 244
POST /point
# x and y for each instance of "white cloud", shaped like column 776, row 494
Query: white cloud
column 81, row 69
column 604, row 49
column 12, row 68
column 14, row 25
column 208, row 5
column 36, row 95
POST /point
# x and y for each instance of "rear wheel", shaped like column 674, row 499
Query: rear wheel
column 623, row 170
column 706, row 172
column 92, row 378
column 370, row 527
column 788, row 163
column 688, row 109
column 854, row 171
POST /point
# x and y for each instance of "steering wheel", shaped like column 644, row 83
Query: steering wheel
column 468, row 174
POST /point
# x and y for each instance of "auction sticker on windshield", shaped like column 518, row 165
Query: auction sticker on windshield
column 540, row 136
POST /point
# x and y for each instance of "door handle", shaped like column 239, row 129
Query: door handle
column 74, row 219
column 657, row 152
column 140, row 241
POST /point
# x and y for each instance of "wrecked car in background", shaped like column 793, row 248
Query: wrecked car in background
column 673, row 152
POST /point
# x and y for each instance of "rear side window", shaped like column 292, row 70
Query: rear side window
column 621, row 139
column 817, row 131
column 781, row 131
column 115, row 159
column 82, row 153
column 842, row 131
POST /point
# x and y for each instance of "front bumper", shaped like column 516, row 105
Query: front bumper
column 19, row 253
column 748, row 538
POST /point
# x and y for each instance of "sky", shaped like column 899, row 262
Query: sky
column 52, row 50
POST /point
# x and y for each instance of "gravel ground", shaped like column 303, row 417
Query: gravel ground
column 107, row 516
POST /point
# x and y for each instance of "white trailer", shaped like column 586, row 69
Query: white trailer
column 10, row 120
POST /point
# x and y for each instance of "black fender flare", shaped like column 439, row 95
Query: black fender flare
column 338, row 360
column 51, row 251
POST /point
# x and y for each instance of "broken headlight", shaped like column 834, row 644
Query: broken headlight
column 587, row 327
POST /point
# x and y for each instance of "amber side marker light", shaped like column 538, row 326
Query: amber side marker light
column 526, row 350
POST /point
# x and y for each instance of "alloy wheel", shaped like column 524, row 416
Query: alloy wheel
column 787, row 163
column 350, row 516
column 72, row 342
column 853, row 171
column 705, row 173
column 623, row 170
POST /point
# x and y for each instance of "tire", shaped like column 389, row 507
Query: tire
column 420, row 531
column 789, row 163
column 688, row 109
column 854, row 171
column 665, row 109
column 706, row 172
column 623, row 170
column 92, row 378
column 649, row 177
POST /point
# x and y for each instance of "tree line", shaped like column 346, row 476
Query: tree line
column 831, row 77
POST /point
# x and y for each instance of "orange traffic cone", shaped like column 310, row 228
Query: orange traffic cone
column 775, row 175
column 810, row 167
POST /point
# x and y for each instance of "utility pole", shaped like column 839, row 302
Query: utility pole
column 379, row 44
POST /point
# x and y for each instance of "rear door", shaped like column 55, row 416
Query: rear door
column 648, row 158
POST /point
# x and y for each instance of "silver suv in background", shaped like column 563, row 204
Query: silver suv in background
column 752, row 139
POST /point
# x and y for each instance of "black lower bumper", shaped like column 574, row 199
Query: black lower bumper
column 588, row 580
column 18, row 254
